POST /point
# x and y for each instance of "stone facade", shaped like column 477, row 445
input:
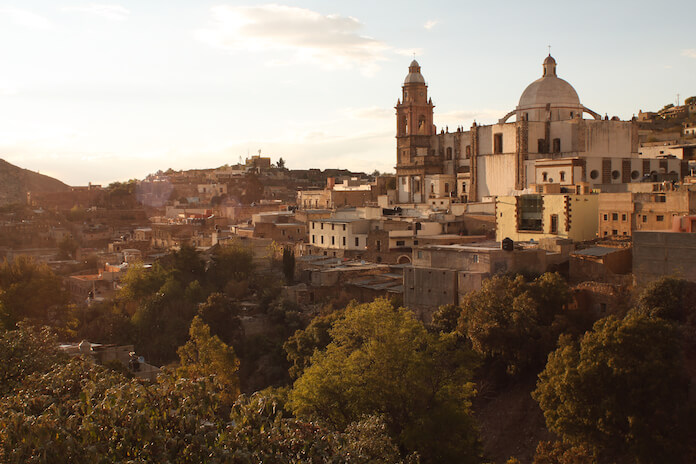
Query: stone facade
column 502, row 158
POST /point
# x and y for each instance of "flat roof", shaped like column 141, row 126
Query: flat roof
column 597, row 251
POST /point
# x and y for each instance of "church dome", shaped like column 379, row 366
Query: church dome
column 414, row 75
column 549, row 89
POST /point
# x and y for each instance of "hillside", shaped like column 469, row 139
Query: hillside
column 15, row 182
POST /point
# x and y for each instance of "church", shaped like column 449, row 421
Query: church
column 549, row 142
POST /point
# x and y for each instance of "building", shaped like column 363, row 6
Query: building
column 659, row 254
column 444, row 274
column 621, row 214
column 539, row 216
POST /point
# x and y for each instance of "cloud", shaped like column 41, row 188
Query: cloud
column 332, row 41
column 690, row 52
column 430, row 24
column 372, row 112
column 26, row 18
column 108, row 11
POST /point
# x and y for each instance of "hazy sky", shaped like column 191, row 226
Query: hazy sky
column 93, row 91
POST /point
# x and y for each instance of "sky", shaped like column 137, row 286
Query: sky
column 102, row 92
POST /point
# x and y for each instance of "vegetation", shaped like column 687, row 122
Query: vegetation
column 28, row 290
column 620, row 390
column 382, row 361
column 511, row 322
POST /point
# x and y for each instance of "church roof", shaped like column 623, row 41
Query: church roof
column 414, row 74
column 549, row 89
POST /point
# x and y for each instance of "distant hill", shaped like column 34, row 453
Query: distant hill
column 15, row 182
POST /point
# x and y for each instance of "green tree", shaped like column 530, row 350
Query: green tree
column 446, row 318
column 28, row 290
column 68, row 247
column 563, row 453
column 383, row 361
column 304, row 343
column 289, row 265
column 621, row 391
column 231, row 262
column 670, row 298
column 510, row 321
column 280, row 163
column 222, row 316
column 206, row 355
column 24, row 351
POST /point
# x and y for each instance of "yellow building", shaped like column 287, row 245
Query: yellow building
column 536, row 216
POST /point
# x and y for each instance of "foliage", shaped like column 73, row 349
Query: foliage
column 669, row 298
column 622, row 391
column 446, row 317
column 68, row 247
column 304, row 343
column 206, row 355
column 27, row 291
column 289, row 265
column 24, row 351
column 82, row 413
column 511, row 321
column 280, row 163
column 563, row 453
column 383, row 361
column 222, row 316
column 230, row 262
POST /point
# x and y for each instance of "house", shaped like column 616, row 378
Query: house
column 538, row 216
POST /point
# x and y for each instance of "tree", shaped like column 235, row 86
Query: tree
column 68, row 247
column 289, row 265
column 383, row 361
column 446, row 317
column 280, row 163
column 206, row 355
column 231, row 262
column 669, row 298
column 27, row 291
column 304, row 343
column 24, row 351
column 222, row 316
column 563, row 453
column 621, row 391
column 510, row 321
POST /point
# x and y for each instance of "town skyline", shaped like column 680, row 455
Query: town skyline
column 95, row 92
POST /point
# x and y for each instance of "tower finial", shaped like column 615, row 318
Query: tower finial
column 549, row 49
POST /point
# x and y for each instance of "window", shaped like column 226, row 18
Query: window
column 333, row 240
column 322, row 226
column 379, row 245
column 614, row 232
column 475, row 258
column 467, row 150
column 432, row 188
column 400, row 243
column 556, row 145
column 332, row 226
column 463, row 187
column 614, row 216
column 322, row 239
column 660, row 218
column 282, row 232
column 606, row 217
column 344, row 227
column 529, row 209
column 357, row 241
column 562, row 173
column 344, row 241
column 497, row 143
column 420, row 254
column 623, row 217
column 449, row 153
column 541, row 145
column 645, row 218
column 553, row 229
column 313, row 238
column 446, row 187
column 544, row 176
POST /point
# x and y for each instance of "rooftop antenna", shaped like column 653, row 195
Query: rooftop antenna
column 677, row 99
column 549, row 49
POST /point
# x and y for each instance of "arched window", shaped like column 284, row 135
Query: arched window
column 449, row 153
column 544, row 176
